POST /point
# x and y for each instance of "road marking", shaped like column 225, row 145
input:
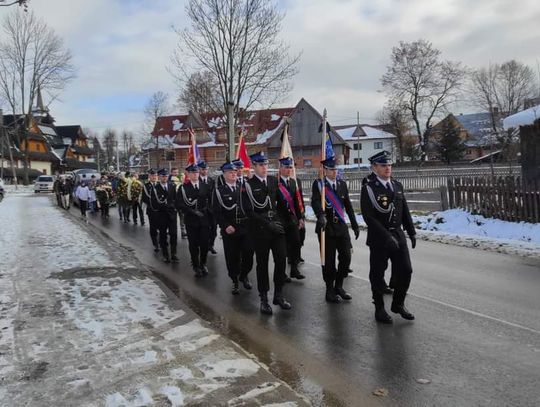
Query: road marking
column 456, row 307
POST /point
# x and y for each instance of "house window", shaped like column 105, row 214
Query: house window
column 358, row 160
column 377, row 145
column 357, row 146
column 307, row 163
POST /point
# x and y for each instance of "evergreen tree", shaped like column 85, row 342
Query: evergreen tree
column 451, row 146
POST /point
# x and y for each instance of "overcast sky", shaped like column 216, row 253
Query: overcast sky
column 121, row 49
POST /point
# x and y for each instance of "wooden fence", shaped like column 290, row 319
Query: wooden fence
column 505, row 198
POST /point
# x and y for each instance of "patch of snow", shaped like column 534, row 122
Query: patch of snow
column 174, row 394
column 116, row 400
column 523, row 118
column 229, row 368
column 373, row 132
column 181, row 373
column 346, row 133
column 264, row 388
column 177, row 125
column 275, row 117
column 193, row 345
column 457, row 221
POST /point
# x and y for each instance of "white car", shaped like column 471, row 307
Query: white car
column 44, row 183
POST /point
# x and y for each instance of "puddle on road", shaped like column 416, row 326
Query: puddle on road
column 281, row 369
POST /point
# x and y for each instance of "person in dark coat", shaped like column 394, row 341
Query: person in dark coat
column 163, row 199
column 291, row 214
column 232, row 220
column 386, row 214
column 333, row 221
column 262, row 201
column 193, row 199
column 211, row 184
column 152, row 207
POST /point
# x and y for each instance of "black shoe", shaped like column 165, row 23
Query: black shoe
column 156, row 249
column 175, row 259
column 331, row 296
column 388, row 290
column 282, row 302
column 246, row 283
column 235, row 289
column 183, row 235
column 301, row 260
column 204, row 270
column 265, row 308
column 198, row 272
column 401, row 310
column 382, row 316
column 142, row 223
column 212, row 250
column 296, row 274
column 343, row 294
column 166, row 259
column 287, row 279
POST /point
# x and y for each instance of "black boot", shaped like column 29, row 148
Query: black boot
column 198, row 271
column 380, row 313
column 340, row 291
column 174, row 258
column 246, row 283
column 398, row 306
column 235, row 289
column 280, row 300
column 331, row 294
column 265, row 307
column 295, row 273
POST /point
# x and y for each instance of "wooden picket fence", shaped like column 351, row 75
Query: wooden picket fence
column 506, row 198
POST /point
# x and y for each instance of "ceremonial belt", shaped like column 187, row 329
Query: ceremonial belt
column 336, row 203
column 288, row 198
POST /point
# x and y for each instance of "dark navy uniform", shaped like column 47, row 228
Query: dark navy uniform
column 261, row 201
column 151, row 211
column 164, row 200
column 292, row 216
column 337, row 237
column 386, row 213
column 229, row 211
column 211, row 185
column 194, row 202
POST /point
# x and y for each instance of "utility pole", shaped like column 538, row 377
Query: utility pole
column 230, row 136
column 117, row 157
column 357, row 129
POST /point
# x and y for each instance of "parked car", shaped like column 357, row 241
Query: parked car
column 85, row 174
column 44, row 183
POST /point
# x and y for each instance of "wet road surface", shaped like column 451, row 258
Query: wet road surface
column 476, row 337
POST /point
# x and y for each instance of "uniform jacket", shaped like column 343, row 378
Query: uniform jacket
column 228, row 209
column 260, row 217
column 334, row 227
column 384, row 211
column 163, row 200
column 285, row 212
column 189, row 200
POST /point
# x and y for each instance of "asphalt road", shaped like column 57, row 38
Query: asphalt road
column 476, row 337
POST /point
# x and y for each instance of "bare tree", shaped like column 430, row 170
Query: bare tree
column 395, row 119
column 237, row 42
column 200, row 94
column 157, row 105
column 110, row 144
column 21, row 3
column 423, row 83
column 32, row 58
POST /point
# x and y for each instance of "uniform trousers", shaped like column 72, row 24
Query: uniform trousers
column 238, row 255
column 166, row 224
column 263, row 246
column 340, row 244
column 198, row 238
column 401, row 269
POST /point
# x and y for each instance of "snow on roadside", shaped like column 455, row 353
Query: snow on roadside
column 455, row 226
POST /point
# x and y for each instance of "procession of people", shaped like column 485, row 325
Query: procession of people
column 259, row 214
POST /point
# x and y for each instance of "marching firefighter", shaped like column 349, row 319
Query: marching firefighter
column 333, row 221
column 193, row 199
column 291, row 213
column 231, row 217
column 386, row 214
column 266, row 231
